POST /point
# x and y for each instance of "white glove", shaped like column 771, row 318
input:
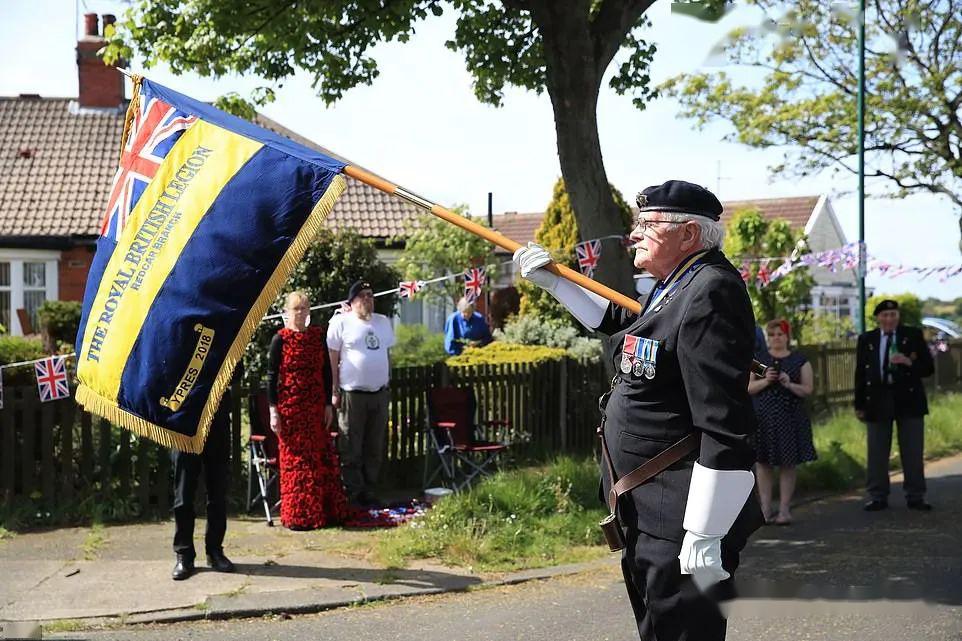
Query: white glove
column 715, row 498
column 701, row 558
column 589, row 308
column 530, row 260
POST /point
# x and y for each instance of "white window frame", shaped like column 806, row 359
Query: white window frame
column 16, row 258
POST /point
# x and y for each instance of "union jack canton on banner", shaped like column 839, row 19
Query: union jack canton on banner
column 52, row 378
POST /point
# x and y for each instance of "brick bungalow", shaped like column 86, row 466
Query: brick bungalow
column 58, row 157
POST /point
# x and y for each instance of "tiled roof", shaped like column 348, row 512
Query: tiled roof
column 796, row 210
column 57, row 163
column 518, row 227
column 55, row 166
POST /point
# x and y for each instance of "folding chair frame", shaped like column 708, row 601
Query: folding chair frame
column 260, row 467
column 460, row 463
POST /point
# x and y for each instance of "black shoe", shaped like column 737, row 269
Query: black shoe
column 919, row 504
column 184, row 568
column 217, row 562
column 876, row 505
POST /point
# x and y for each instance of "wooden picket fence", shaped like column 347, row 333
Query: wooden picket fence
column 56, row 454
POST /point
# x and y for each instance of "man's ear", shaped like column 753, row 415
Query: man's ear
column 692, row 236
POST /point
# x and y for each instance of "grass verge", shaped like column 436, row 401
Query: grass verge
column 548, row 514
column 524, row 518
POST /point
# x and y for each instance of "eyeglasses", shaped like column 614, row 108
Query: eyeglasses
column 364, row 295
column 645, row 224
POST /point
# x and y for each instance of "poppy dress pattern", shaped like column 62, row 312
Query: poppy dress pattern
column 312, row 495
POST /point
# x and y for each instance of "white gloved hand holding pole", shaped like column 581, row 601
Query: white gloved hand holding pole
column 588, row 307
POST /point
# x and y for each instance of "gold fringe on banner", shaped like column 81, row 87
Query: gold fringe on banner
column 195, row 444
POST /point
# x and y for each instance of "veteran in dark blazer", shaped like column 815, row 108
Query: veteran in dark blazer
column 891, row 362
column 683, row 368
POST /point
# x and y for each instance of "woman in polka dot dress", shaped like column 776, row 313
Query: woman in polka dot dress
column 784, row 436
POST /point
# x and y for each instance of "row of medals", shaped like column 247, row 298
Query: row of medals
column 637, row 367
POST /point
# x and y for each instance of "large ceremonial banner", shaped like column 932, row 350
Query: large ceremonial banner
column 207, row 217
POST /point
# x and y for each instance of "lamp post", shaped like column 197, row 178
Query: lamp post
column 861, row 167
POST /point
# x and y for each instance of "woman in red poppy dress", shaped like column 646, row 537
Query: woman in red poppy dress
column 299, row 389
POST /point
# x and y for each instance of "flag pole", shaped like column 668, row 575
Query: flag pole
column 489, row 235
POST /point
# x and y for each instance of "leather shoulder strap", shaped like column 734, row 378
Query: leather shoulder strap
column 652, row 467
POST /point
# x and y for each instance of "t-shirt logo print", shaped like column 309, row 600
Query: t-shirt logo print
column 371, row 341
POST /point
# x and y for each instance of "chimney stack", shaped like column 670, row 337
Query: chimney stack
column 100, row 85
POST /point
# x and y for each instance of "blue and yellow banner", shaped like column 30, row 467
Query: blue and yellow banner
column 207, row 217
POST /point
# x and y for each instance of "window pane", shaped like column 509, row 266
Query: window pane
column 32, row 299
column 34, row 274
column 5, row 310
column 4, row 274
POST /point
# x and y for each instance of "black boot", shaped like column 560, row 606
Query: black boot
column 183, row 568
column 218, row 562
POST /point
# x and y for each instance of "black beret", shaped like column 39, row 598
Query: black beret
column 681, row 197
column 357, row 288
column 885, row 306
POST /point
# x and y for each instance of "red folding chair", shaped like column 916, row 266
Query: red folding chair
column 451, row 431
column 262, row 463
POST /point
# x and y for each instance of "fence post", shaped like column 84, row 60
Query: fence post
column 823, row 374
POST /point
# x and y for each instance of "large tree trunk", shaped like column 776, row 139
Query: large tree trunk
column 573, row 83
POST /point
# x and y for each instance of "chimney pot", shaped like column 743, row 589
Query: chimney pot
column 90, row 24
column 109, row 18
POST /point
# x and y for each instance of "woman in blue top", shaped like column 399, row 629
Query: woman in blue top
column 465, row 328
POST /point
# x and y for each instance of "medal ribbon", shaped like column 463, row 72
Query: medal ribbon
column 675, row 279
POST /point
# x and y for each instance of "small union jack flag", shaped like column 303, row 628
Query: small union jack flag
column 52, row 378
column 589, row 252
column 408, row 288
column 745, row 272
column 764, row 275
column 155, row 128
column 474, row 280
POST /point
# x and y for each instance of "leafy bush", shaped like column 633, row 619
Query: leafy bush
column 14, row 349
column 415, row 345
column 529, row 517
column 59, row 321
column 498, row 352
column 536, row 330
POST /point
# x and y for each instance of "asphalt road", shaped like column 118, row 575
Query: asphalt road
column 586, row 607
column 838, row 573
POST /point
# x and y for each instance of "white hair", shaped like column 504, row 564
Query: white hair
column 712, row 231
column 464, row 303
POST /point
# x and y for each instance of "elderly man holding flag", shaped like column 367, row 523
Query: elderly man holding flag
column 678, row 422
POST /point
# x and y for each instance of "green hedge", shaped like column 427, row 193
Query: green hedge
column 14, row 349
column 500, row 352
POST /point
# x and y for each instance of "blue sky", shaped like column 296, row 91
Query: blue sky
column 420, row 126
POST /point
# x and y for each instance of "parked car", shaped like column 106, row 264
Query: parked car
column 938, row 331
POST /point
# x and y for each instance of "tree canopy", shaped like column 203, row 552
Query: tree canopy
column 562, row 47
column 803, row 94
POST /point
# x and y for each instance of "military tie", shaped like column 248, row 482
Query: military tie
column 886, row 375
